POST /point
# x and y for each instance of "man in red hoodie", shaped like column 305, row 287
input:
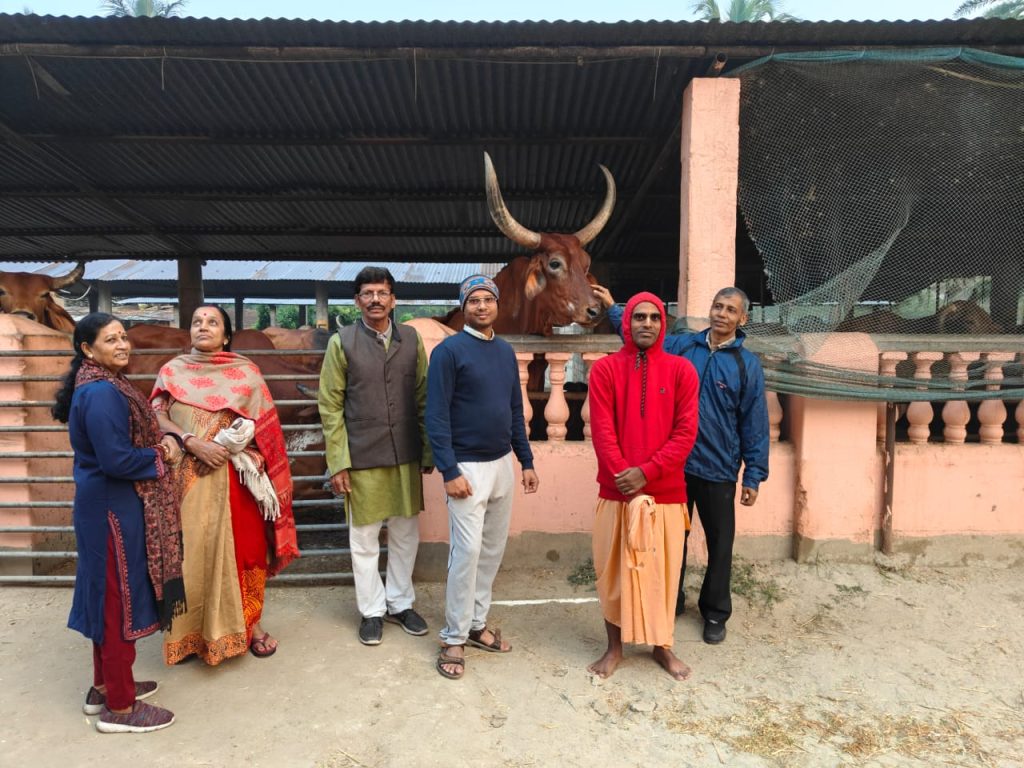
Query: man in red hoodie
column 643, row 419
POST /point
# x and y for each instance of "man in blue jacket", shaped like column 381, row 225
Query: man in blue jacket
column 732, row 428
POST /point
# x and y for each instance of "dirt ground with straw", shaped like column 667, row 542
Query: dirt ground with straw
column 824, row 665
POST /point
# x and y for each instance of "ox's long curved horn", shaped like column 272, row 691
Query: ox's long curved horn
column 511, row 228
column 593, row 229
column 71, row 277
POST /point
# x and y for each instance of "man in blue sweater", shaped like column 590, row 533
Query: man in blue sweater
column 732, row 428
column 475, row 423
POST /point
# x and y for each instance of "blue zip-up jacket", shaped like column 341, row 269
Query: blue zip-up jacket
column 729, row 431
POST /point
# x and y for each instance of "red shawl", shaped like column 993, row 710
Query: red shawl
column 226, row 381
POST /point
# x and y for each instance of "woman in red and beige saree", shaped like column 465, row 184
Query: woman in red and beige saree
column 236, row 490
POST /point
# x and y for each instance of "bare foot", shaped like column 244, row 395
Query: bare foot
column 605, row 666
column 671, row 663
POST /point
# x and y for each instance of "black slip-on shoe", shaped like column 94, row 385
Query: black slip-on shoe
column 371, row 630
column 408, row 620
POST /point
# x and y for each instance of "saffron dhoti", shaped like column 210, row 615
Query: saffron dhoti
column 638, row 551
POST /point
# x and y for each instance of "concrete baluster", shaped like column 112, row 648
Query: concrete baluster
column 774, row 416
column 556, row 412
column 920, row 413
column 524, row 359
column 887, row 362
column 955, row 413
column 1019, row 413
column 589, row 358
column 992, row 413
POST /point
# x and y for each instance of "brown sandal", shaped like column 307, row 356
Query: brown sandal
column 456, row 661
column 261, row 647
column 494, row 646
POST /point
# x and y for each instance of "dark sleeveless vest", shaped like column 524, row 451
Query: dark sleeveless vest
column 380, row 397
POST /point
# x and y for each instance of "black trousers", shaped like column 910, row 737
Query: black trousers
column 715, row 503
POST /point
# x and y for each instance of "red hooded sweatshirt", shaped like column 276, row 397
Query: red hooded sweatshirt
column 643, row 413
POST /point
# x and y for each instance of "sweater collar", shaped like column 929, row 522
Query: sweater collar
column 474, row 332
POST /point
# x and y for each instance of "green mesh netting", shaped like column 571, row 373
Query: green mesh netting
column 885, row 194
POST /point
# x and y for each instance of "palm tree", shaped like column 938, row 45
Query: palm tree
column 997, row 9
column 143, row 7
column 742, row 10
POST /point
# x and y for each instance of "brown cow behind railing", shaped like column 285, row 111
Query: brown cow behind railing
column 551, row 286
column 31, row 295
column 957, row 317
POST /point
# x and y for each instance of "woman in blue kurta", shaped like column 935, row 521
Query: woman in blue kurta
column 127, row 524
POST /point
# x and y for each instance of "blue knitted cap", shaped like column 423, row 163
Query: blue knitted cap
column 476, row 283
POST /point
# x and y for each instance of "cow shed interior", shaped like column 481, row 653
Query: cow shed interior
column 197, row 139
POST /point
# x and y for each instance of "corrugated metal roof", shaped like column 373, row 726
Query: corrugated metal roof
column 267, row 279
column 426, row 34
column 264, row 141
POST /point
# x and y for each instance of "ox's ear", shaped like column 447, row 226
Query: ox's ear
column 535, row 279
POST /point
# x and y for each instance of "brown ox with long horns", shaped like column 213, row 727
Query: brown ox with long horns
column 551, row 286
column 31, row 295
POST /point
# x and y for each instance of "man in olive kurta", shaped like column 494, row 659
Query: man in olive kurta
column 373, row 393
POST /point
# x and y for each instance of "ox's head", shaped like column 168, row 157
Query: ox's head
column 30, row 295
column 550, row 287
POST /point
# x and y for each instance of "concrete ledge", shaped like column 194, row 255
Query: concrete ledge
column 756, row 548
column 805, row 550
column 993, row 551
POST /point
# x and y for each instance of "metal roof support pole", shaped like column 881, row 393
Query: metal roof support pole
column 710, row 154
column 104, row 299
column 322, row 316
column 239, row 313
column 190, row 288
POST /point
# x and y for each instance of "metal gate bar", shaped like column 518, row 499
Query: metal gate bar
column 63, row 554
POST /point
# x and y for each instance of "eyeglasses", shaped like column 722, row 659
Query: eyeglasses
column 370, row 295
column 641, row 317
column 482, row 301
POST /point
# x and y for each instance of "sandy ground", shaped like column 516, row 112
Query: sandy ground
column 824, row 665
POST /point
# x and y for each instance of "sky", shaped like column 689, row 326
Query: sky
column 519, row 10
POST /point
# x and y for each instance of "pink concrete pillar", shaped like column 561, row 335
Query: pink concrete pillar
column 710, row 155
column 836, row 505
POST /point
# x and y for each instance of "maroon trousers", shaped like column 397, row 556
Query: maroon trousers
column 112, row 661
